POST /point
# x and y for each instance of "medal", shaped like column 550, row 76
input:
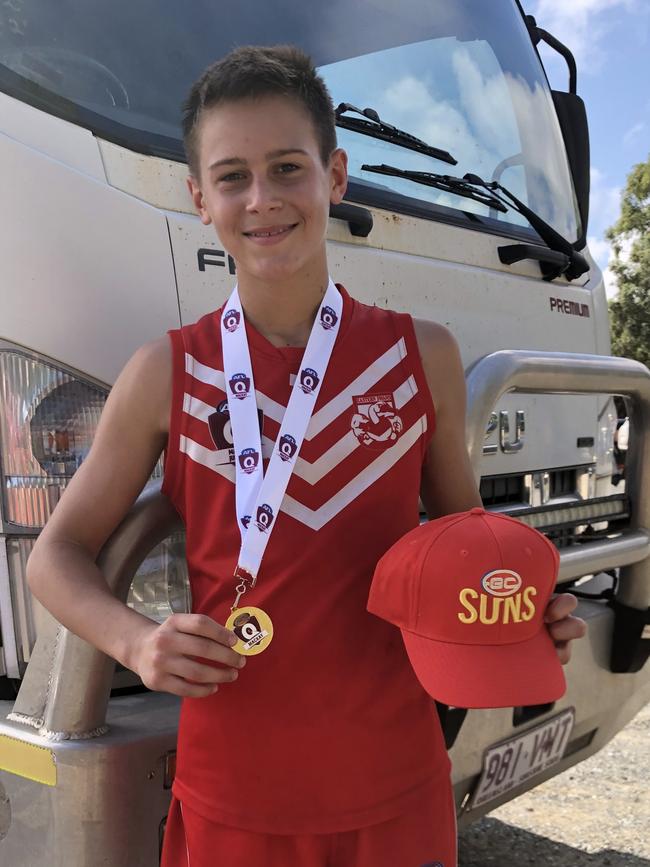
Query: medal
column 259, row 495
column 253, row 629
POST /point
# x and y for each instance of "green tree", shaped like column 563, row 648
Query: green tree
column 630, row 309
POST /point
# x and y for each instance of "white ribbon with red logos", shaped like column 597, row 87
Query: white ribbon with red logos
column 259, row 495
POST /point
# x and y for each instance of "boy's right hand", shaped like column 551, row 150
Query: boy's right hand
column 166, row 656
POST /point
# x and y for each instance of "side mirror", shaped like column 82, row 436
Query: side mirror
column 572, row 115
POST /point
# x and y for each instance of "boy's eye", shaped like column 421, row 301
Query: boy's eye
column 287, row 168
column 232, row 176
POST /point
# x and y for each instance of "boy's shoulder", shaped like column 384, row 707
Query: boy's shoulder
column 441, row 359
column 146, row 382
column 434, row 338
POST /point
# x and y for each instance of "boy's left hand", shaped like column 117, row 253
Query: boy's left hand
column 562, row 625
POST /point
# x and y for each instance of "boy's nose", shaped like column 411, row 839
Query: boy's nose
column 262, row 196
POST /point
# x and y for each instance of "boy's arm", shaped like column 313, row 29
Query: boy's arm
column 448, row 483
column 62, row 573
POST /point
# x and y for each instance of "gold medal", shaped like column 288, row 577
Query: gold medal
column 253, row 629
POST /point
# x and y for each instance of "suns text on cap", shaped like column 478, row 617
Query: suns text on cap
column 496, row 609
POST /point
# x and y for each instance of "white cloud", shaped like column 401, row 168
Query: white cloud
column 600, row 249
column 633, row 133
column 609, row 278
column 604, row 258
column 604, row 203
column 580, row 25
column 604, row 209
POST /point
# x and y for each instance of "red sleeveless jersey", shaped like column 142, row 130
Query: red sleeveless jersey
column 328, row 729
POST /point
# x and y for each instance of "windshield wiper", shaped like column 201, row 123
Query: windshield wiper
column 558, row 257
column 447, row 183
column 375, row 127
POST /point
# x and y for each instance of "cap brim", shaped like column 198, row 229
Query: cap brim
column 480, row 676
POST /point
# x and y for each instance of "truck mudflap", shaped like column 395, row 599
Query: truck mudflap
column 85, row 780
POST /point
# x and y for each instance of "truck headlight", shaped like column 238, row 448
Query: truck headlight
column 48, row 418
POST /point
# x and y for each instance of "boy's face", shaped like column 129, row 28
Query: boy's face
column 265, row 189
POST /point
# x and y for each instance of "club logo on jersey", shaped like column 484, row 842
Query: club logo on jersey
column 246, row 519
column 308, row 380
column 328, row 318
column 248, row 629
column 375, row 422
column 287, row 447
column 221, row 432
column 264, row 517
column 240, row 385
column 231, row 319
column 248, row 460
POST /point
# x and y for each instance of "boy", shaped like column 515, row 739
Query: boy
column 324, row 749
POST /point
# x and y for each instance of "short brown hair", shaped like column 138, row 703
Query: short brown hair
column 250, row 72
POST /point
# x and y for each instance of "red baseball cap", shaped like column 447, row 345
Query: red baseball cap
column 469, row 592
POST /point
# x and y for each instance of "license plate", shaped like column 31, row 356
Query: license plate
column 512, row 762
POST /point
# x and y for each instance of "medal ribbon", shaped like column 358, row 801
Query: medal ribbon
column 259, row 495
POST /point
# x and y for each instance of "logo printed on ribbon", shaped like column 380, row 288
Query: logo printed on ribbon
column 308, row 380
column 264, row 517
column 249, row 460
column 231, row 320
column 287, row 447
column 259, row 494
column 240, row 385
column 328, row 318
column 221, row 431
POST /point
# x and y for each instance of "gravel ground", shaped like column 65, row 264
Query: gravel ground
column 596, row 814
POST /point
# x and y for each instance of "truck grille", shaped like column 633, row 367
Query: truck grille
column 558, row 503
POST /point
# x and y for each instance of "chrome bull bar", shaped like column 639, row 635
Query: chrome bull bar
column 515, row 370
column 65, row 691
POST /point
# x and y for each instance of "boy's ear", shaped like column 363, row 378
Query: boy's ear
column 338, row 175
column 197, row 198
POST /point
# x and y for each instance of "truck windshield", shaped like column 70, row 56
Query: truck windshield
column 459, row 74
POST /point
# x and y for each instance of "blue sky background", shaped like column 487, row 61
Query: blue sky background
column 611, row 43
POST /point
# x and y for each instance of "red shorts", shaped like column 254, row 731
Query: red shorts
column 425, row 837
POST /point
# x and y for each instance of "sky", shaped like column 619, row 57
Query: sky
column 610, row 40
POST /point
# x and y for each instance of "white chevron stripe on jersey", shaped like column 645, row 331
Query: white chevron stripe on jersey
column 197, row 408
column 404, row 392
column 216, row 378
column 326, row 414
column 206, row 457
column 317, row 518
column 201, row 410
column 365, row 381
column 311, row 472
column 314, row 472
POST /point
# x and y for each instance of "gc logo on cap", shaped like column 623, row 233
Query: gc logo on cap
column 469, row 592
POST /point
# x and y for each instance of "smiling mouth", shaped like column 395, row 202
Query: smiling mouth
column 271, row 232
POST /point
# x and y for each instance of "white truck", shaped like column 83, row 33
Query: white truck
column 467, row 204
